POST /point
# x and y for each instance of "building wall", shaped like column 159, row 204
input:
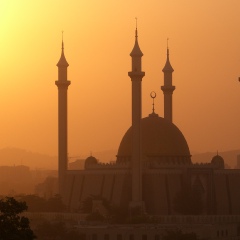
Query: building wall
column 234, row 194
column 227, row 183
column 114, row 186
column 221, row 193
column 206, row 227
column 156, row 232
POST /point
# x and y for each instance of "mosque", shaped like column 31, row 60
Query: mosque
column 153, row 163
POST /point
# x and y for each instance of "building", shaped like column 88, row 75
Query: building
column 153, row 167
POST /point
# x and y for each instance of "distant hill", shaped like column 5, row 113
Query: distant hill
column 230, row 157
column 15, row 156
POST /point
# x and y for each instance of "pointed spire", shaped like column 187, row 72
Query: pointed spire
column 168, row 67
column 62, row 61
column 62, row 42
column 136, row 52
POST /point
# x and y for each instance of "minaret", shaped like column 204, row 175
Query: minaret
column 62, row 85
column 136, row 76
column 168, row 89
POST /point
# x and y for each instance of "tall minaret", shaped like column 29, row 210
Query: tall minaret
column 168, row 89
column 136, row 76
column 62, row 85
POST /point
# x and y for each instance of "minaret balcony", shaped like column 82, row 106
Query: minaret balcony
column 136, row 74
column 62, row 83
column 169, row 89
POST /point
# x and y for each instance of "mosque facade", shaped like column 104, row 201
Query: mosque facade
column 153, row 168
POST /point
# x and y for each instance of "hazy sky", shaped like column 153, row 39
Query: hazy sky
column 99, row 35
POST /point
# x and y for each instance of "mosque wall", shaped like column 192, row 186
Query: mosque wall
column 174, row 184
column 201, row 179
column 221, row 194
column 92, row 185
column 68, row 185
column 159, row 190
column 155, row 193
column 234, row 191
column 113, row 186
column 227, row 194
column 108, row 187
column 124, row 188
column 220, row 188
column 76, row 192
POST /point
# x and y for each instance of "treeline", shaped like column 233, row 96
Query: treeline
column 15, row 226
column 57, row 230
column 40, row 204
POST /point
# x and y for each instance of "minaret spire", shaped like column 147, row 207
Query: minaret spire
column 136, row 76
column 168, row 51
column 136, row 33
column 167, row 67
column 62, row 43
column 62, row 84
column 62, row 61
column 168, row 88
column 136, row 52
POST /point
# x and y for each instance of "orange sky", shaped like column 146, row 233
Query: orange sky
column 99, row 35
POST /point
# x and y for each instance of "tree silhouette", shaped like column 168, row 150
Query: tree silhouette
column 87, row 203
column 39, row 204
column 13, row 226
column 114, row 213
column 55, row 204
column 34, row 202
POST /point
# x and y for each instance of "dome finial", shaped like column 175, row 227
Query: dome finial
column 153, row 95
column 153, row 114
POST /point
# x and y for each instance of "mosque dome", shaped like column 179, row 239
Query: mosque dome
column 90, row 161
column 161, row 141
column 218, row 161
